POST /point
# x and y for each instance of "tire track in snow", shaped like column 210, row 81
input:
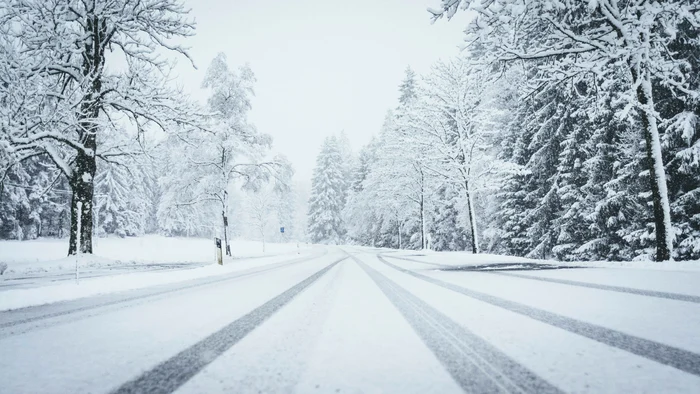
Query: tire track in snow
column 169, row 375
column 668, row 355
column 289, row 337
column 619, row 289
column 418, row 261
column 475, row 365
column 491, row 267
column 34, row 314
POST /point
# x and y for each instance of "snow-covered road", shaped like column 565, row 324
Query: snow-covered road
column 359, row 320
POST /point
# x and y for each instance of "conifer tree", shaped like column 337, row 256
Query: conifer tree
column 325, row 223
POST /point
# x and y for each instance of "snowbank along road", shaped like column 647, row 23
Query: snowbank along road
column 361, row 320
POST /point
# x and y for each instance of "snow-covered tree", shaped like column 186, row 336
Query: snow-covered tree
column 261, row 206
column 285, row 213
column 121, row 205
column 454, row 119
column 407, row 89
column 572, row 40
column 325, row 224
column 228, row 150
column 72, row 72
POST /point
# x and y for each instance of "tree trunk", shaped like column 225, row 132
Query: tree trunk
column 226, row 245
column 83, row 188
column 422, row 221
column 657, row 173
column 83, row 175
column 422, row 210
column 472, row 219
column 263, row 240
column 399, row 226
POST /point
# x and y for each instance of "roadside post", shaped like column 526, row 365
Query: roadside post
column 77, row 240
column 219, row 254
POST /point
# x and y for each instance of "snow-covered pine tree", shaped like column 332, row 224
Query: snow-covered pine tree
column 569, row 39
column 325, row 223
column 407, row 89
column 121, row 206
column 358, row 213
column 446, row 230
column 681, row 144
column 611, row 209
column 34, row 200
column 348, row 163
column 572, row 176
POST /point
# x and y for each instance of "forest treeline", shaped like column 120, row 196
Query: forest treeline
column 97, row 135
column 566, row 130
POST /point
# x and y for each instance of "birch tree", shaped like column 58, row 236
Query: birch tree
column 226, row 152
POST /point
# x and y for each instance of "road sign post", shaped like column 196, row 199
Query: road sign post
column 219, row 254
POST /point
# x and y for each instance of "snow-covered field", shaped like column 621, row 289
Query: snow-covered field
column 49, row 255
column 71, row 289
column 39, row 273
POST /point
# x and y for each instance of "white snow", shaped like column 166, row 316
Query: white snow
column 572, row 362
column 49, row 254
column 70, row 290
column 35, row 257
column 342, row 334
column 467, row 259
column 100, row 352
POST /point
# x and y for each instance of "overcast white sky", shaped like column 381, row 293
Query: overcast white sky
column 321, row 66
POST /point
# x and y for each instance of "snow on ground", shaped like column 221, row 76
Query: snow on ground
column 96, row 353
column 455, row 258
column 70, row 290
column 368, row 326
column 51, row 279
column 570, row 361
column 49, row 255
column 340, row 335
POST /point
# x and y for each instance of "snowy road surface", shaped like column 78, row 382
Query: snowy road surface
column 360, row 320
